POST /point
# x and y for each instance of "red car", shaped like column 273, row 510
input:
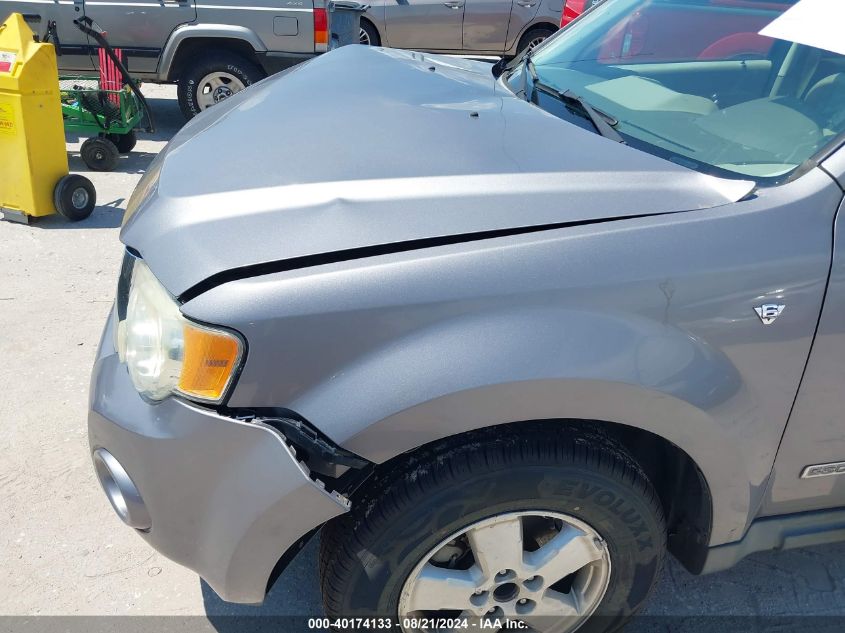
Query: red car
column 650, row 34
column 573, row 8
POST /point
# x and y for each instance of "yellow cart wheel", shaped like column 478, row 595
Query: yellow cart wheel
column 75, row 197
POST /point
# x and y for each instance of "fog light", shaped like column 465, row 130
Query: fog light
column 121, row 491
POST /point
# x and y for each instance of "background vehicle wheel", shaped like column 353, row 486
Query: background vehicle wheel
column 100, row 154
column 533, row 37
column 369, row 34
column 548, row 528
column 125, row 143
column 74, row 197
column 212, row 78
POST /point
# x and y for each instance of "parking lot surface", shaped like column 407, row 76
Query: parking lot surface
column 63, row 549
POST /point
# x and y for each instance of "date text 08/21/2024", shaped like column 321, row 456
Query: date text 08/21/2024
column 491, row 623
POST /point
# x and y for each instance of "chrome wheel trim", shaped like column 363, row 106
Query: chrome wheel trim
column 511, row 577
column 216, row 87
column 364, row 37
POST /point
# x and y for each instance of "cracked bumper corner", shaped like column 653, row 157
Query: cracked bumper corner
column 225, row 498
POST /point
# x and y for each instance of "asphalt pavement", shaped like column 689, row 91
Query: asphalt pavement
column 64, row 552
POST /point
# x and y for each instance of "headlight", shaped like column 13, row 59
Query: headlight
column 165, row 353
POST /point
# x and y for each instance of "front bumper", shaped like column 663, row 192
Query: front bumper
column 223, row 497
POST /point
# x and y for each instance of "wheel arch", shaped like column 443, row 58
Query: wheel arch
column 186, row 40
column 646, row 422
column 682, row 487
column 540, row 22
column 371, row 22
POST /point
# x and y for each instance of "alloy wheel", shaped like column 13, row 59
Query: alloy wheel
column 536, row 42
column 546, row 569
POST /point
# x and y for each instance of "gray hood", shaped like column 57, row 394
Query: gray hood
column 366, row 147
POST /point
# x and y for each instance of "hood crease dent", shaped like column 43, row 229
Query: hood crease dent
column 397, row 162
column 307, row 261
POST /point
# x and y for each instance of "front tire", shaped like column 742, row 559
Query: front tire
column 214, row 77
column 549, row 527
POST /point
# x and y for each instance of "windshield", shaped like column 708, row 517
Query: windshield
column 694, row 81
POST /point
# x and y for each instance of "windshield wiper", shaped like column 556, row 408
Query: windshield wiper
column 528, row 69
column 601, row 121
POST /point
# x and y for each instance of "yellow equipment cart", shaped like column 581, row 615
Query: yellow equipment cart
column 34, row 179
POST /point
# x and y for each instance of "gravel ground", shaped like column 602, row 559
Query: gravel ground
column 62, row 549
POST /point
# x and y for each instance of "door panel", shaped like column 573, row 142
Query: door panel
column 522, row 14
column 74, row 55
column 816, row 430
column 140, row 27
column 424, row 24
column 486, row 24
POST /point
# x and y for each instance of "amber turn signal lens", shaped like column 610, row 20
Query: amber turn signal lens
column 209, row 362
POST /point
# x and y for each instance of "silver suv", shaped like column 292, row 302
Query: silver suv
column 214, row 49
column 210, row 49
column 505, row 341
